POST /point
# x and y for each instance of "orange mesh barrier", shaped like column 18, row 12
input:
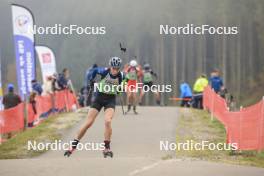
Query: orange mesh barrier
column 44, row 104
column 71, row 100
column 12, row 119
column 60, row 97
column 244, row 127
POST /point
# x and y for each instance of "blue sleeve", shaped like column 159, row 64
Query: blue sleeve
column 182, row 91
column 221, row 82
column 98, row 70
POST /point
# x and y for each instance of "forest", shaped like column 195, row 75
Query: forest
column 136, row 24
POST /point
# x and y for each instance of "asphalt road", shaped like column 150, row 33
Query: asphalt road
column 136, row 146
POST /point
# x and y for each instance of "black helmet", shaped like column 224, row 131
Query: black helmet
column 146, row 66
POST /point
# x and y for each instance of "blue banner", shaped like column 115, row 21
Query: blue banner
column 24, row 48
column 25, row 63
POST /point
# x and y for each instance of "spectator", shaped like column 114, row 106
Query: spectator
column 11, row 100
column 32, row 102
column 36, row 87
column 55, row 85
column 48, row 85
column 198, row 89
column 223, row 92
column 63, row 79
column 186, row 94
column 200, row 84
column 216, row 81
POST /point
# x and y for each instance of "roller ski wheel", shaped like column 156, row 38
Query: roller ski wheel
column 108, row 153
column 68, row 153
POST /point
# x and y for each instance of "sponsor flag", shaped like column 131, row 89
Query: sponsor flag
column 1, row 89
column 47, row 61
column 24, row 48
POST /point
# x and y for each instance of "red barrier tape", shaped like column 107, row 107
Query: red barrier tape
column 244, row 127
column 13, row 119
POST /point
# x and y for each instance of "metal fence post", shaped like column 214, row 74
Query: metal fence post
column 212, row 105
column 53, row 97
column 25, row 112
column 240, row 129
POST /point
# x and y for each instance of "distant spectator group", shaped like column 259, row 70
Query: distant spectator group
column 52, row 83
column 195, row 98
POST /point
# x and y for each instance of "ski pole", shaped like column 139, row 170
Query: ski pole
column 121, row 102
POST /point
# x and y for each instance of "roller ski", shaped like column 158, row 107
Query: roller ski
column 108, row 153
column 73, row 147
column 129, row 108
column 134, row 110
column 68, row 153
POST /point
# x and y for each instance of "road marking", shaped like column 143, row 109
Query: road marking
column 151, row 166
column 145, row 168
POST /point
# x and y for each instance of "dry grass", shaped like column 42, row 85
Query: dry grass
column 196, row 125
column 49, row 130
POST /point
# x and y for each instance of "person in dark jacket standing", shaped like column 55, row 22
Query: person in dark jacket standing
column 216, row 81
column 63, row 79
column 11, row 100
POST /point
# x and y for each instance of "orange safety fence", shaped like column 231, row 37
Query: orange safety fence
column 244, row 127
column 44, row 104
column 59, row 100
column 71, row 101
column 31, row 114
column 13, row 119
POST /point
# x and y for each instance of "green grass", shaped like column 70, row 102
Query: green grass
column 49, row 130
column 197, row 125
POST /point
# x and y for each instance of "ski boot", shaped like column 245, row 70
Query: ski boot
column 158, row 102
column 108, row 153
column 128, row 109
column 134, row 109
